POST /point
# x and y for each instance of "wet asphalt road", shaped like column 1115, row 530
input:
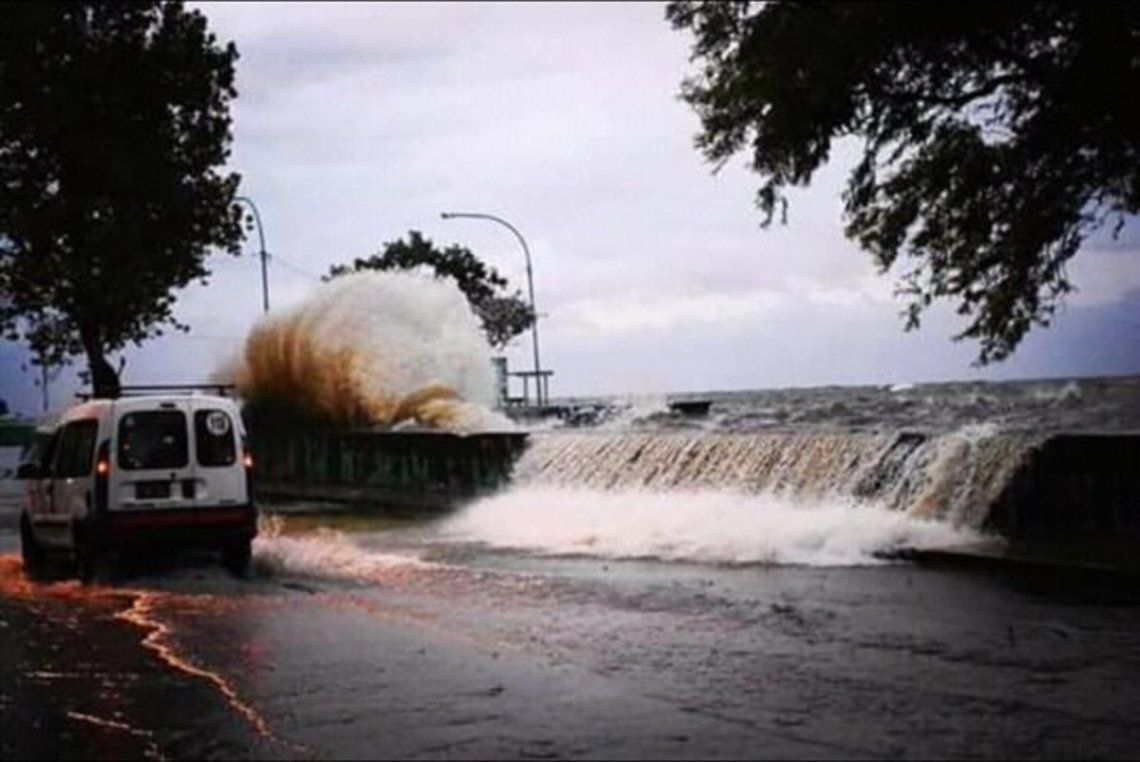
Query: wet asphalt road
column 343, row 647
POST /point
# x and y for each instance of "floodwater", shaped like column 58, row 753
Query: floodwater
column 650, row 585
column 366, row 638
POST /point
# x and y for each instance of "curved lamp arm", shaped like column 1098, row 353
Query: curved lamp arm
column 529, row 284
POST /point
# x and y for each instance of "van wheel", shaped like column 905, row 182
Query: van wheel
column 236, row 557
column 31, row 551
column 87, row 556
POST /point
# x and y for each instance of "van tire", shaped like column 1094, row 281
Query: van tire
column 87, row 555
column 31, row 551
column 236, row 557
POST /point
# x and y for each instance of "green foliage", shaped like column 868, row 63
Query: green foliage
column 995, row 136
column 503, row 315
column 114, row 123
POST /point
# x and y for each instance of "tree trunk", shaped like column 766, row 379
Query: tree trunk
column 104, row 379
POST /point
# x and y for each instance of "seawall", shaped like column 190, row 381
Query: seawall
column 407, row 470
column 1069, row 486
column 1058, row 488
column 1019, row 484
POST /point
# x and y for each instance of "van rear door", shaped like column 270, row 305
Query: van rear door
column 154, row 468
column 217, row 444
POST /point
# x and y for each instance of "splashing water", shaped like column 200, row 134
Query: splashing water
column 325, row 554
column 704, row 527
column 817, row 499
column 376, row 347
column 953, row 477
column 635, row 409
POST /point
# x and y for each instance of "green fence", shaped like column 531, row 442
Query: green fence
column 412, row 470
column 15, row 433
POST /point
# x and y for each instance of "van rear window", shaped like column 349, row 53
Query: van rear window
column 153, row 439
column 214, row 438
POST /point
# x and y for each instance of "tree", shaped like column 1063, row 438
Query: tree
column 995, row 137
column 49, row 339
column 114, row 124
column 503, row 315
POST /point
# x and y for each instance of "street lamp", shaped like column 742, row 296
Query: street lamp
column 264, row 253
column 529, row 283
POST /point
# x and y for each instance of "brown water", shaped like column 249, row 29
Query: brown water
column 652, row 587
column 405, row 643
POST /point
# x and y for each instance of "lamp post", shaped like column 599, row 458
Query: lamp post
column 264, row 253
column 529, row 283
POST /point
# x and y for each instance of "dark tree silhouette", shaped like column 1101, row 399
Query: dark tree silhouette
column 503, row 315
column 996, row 136
column 114, row 124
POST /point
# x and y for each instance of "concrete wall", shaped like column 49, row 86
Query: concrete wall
column 403, row 470
column 1070, row 486
column 1074, row 486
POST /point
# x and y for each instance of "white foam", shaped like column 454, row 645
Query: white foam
column 707, row 527
column 634, row 409
column 327, row 554
column 412, row 330
column 392, row 345
column 1067, row 395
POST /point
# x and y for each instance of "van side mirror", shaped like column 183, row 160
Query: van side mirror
column 29, row 471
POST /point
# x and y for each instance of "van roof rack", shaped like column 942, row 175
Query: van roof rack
column 143, row 389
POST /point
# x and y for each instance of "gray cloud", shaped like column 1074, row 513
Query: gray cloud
column 356, row 123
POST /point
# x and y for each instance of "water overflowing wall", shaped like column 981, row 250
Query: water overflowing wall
column 978, row 477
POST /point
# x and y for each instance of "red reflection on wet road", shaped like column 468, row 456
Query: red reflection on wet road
column 140, row 612
column 157, row 639
column 151, row 752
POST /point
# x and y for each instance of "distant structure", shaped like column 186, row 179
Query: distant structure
column 541, row 388
column 691, row 408
column 524, row 404
column 502, row 389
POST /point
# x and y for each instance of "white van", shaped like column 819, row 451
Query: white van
column 116, row 475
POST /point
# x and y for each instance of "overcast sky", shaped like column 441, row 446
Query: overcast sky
column 356, row 123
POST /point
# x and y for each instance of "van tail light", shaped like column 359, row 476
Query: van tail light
column 102, row 475
column 247, row 462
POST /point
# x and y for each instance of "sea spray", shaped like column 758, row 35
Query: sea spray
column 712, row 527
column 695, row 526
column 378, row 348
column 635, row 409
column 326, row 553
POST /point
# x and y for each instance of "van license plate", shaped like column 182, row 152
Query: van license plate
column 151, row 490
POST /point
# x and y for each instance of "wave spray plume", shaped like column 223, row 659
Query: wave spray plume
column 378, row 348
